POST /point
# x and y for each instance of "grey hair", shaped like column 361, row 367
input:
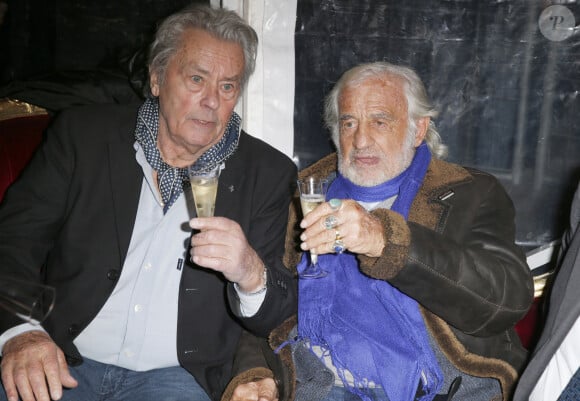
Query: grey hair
column 418, row 103
column 221, row 23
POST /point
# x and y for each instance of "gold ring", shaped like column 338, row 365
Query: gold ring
column 338, row 245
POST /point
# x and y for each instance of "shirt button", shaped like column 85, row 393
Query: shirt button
column 148, row 266
column 138, row 308
column 129, row 353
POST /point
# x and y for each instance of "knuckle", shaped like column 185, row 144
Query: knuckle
column 20, row 375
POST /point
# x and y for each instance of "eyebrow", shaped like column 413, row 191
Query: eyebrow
column 196, row 68
column 344, row 117
column 235, row 78
column 382, row 115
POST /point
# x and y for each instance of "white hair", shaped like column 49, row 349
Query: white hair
column 418, row 103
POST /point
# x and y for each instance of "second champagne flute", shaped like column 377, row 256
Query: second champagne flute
column 312, row 193
column 29, row 300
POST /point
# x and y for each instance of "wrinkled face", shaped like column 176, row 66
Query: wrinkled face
column 198, row 93
column 374, row 137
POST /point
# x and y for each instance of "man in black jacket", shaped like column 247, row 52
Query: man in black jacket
column 144, row 309
column 554, row 366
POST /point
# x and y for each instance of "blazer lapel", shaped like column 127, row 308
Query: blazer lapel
column 126, row 179
column 564, row 298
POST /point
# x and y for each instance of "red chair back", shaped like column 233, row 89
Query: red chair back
column 19, row 138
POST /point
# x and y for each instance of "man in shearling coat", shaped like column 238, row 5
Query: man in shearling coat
column 424, row 282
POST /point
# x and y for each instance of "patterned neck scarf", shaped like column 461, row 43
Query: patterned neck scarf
column 368, row 327
column 171, row 180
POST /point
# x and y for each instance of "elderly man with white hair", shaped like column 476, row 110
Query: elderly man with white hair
column 424, row 282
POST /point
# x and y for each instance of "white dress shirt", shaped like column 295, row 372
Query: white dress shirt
column 136, row 328
column 560, row 369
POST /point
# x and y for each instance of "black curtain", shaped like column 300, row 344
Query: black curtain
column 41, row 37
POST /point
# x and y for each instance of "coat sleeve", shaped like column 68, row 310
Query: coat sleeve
column 32, row 211
column 255, row 360
column 467, row 270
column 270, row 179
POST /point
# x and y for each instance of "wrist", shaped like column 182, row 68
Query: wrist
column 258, row 290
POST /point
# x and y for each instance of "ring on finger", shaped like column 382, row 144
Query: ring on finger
column 335, row 203
column 338, row 245
column 330, row 222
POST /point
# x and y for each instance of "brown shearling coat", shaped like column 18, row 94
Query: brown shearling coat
column 457, row 257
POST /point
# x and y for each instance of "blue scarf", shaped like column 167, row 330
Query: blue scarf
column 368, row 327
column 172, row 179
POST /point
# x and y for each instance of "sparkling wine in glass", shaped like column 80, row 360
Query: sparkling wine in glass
column 312, row 193
column 204, row 186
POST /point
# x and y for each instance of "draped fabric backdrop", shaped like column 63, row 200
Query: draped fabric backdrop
column 505, row 75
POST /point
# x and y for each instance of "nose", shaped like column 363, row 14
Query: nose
column 361, row 137
column 210, row 98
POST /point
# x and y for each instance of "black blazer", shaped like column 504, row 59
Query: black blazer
column 72, row 212
column 563, row 308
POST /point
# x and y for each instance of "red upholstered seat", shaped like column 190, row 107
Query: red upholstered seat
column 529, row 327
column 19, row 137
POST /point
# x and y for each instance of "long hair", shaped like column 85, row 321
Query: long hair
column 418, row 103
column 220, row 23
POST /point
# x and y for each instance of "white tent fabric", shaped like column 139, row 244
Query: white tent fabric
column 267, row 106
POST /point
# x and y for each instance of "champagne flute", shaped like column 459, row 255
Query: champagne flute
column 312, row 193
column 29, row 300
column 204, row 184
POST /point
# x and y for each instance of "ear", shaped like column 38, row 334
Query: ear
column 154, row 82
column 422, row 127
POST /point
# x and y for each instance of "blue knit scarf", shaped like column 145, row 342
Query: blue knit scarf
column 172, row 179
column 368, row 327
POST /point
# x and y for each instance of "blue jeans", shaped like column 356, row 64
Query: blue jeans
column 101, row 382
